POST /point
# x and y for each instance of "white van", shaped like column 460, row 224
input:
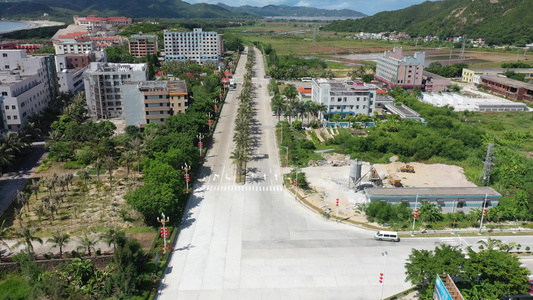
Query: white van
column 387, row 236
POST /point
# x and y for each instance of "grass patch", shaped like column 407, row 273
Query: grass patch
column 14, row 286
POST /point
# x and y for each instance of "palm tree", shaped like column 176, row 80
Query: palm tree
column 240, row 157
column 60, row 240
column 110, row 164
column 278, row 104
column 137, row 146
column 128, row 156
column 27, row 238
column 35, row 187
column 3, row 234
column 489, row 244
column 23, row 199
column 6, row 156
column 113, row 236
column 87, row 243
column 84, row 173
column 98, row 166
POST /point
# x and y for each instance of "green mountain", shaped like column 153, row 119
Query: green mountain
column 497, row 21
column 130, row 8
column 294, row 11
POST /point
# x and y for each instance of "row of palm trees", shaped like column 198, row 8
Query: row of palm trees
column 288, row 105
column 243, row 120
column 59, row 239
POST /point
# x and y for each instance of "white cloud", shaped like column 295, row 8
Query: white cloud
column 303, row 3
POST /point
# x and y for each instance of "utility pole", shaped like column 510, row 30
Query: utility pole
column 187, row 176
column 517, row 50
column 487, row 166
column 463, row 47
column 164, row 231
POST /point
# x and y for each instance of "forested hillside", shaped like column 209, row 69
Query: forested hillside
column 296, row 11
column 134, row 8
column 498, row 21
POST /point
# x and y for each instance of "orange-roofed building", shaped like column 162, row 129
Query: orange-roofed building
column 304, row 94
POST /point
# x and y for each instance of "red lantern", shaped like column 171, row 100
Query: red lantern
column 295, row 181
column 380, row 277
column 416, row 214
column 337, row 201
column 485, row 212
column 166, row 231
column 162, row 232
column 209, row 122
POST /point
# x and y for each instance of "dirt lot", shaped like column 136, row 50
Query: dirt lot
column 331, row 182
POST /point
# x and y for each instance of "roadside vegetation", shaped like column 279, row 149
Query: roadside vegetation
column 97, row 180
column 489, row 273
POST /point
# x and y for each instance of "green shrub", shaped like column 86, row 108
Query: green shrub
column 73, row 165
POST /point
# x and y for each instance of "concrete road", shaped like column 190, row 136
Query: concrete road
column 254, row 241
column 15, row 179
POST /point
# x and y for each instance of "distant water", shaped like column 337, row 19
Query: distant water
column 6, row 26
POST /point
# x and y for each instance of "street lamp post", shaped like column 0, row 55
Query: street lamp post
column 186, row 168
column 383, row 274
column 460, row 242
column 296, row 183
column 164, row 231
column 200, row 137
column 484, row 213
column 209, row 116
column 415, row 215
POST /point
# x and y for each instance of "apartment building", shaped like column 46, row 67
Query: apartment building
column 394, row 69
column 153, row 101
column 141, row 45
column 27, row 85
column 473, row 75
column 102, row 87
column 94, row 24
column 344, row 98
column 74, row 42
column 70, row 69
column 198, row 46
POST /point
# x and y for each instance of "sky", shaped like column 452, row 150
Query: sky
column 368, row 7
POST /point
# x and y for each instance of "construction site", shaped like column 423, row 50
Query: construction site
column 350, row 181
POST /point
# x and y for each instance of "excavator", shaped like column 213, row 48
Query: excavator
column 407, row 169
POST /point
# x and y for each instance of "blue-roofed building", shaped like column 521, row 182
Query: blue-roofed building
column 447, row 199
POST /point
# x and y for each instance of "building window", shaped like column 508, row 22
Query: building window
column 7, row 107
column 13, row 107
column 9, row 117
column 4, row 55
column 15, row 117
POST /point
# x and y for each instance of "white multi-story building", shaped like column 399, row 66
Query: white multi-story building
column 198, row 46
column 344, row 98
column 27, row 84
column 394, row 69
column 102, row 87
column 70, row 69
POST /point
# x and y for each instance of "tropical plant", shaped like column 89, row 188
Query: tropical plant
column 59, row 240
column 27, row 237
column 87, row 243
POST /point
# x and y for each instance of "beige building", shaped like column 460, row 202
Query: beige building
column 141, row 45
column 469, row 75
column 153, row 101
